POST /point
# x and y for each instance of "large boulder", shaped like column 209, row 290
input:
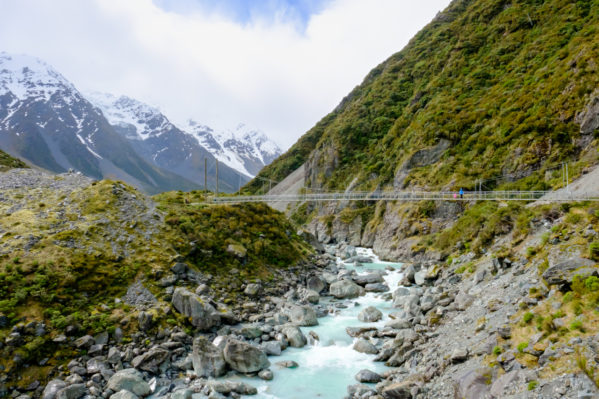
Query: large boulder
column 368, row 376
column 123, row 394
column 563, row 272
column 370, row 315
column 130, row 380
column 151, row 360
column 315, row 284
column 244, row 357
column 345, row 289
column 309, row 296
column 52, row 389
column 208, row 359
column 202, row 314
column 371, row 278
column 301, row 315
column 364, row 346
column 474, row 384
column 294, row 335
column 74, row 391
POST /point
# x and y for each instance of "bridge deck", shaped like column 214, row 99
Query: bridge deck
column 550, row 196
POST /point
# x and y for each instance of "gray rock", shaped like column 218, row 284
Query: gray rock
column 244, row 358
column 367, row 376
column 96, row 365
column 371, row 278
column 463, row 300
column 364, row 346
column 145, row 321
column 182, row 394
column 237, row 250
column 503, row 382
column 474, row 384
column 376, row 287
column 309, row 296
column 84, row 342
column 288, row 364
column 370, row 315
column 52, row 389
column 272, row 348
column 398, row 390
column 459, row 355
column 227, row 387
column 130, row 380
column 74, row 391
column 563, row 272
column 315, row 284
column 301, row 315
column 203, row 315
column 114, row 355
column 420, row 277
column 588, row 118
column 151, row 360
column 266, row 375
column 345, row 289
column 252, row 289
column 124, row 394
column 294, row 335
column 208, row 359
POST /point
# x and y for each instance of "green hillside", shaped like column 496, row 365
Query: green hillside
column 502, row 81
column 7, row 162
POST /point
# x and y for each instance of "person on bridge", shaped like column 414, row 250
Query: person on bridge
column 461, row 193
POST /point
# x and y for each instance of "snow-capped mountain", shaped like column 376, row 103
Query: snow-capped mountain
column 45, row 120
column 159, row 141
column 244, row 149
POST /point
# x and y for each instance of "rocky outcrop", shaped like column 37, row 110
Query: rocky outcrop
column 423, row 157
column 588, row 118
column 564, row 271
column 203, row 315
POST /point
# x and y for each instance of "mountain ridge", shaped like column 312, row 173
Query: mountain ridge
column 44, row 119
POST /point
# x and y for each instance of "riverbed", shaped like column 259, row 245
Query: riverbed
column 328, row 366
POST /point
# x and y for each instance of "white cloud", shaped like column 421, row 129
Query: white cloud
column 208, row 67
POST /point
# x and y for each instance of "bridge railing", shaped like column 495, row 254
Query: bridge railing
column 414, row 196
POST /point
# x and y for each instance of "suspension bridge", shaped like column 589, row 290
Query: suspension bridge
column 549, row 196
column 305, row 194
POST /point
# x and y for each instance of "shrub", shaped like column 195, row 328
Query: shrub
column 522, row 346
column 594, row 250
column 532, row 385
column 528, row 316
column 497, row 351
column 577, row 325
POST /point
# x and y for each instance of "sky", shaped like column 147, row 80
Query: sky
column 276, row 65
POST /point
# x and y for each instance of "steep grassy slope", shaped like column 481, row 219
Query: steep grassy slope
column 502, row 81
column 7, row 162
column 69, row 247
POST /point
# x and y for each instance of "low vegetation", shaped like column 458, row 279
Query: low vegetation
column 67, row 257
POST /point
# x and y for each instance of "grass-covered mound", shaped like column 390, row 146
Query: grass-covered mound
column 252, row 237
column 7, row 162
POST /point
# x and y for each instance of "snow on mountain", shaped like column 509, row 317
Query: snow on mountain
column 243, row 148
column 124, row 111
column 25, row 77
column 45, row 120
